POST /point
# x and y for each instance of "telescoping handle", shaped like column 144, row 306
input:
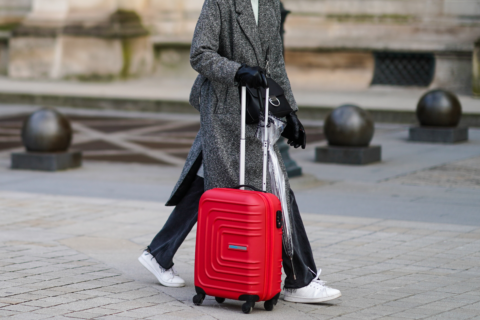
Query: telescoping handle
column 242, row 137
column 242, row 140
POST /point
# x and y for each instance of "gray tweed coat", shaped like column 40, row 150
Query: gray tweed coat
column 226, row 36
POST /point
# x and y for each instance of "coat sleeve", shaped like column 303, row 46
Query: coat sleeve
column 204, row 56
column 277, row 70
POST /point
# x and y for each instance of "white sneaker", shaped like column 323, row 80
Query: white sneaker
column 168, row 278
column 315, row 292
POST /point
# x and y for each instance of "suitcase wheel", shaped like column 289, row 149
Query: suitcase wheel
column 198, row 299
column 219, row 300
column 247, row 307
column 268, row 305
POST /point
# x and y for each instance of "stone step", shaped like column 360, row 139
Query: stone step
column 385, row 104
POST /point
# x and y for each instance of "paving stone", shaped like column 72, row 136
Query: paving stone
column 6, row 313
column 409, row 315
column 104, row 311
column 129, row 305
column 457, row 314
column 114, row 317
column 386, row 271
column 53, row 310
column 331, row 311
column 84, row 315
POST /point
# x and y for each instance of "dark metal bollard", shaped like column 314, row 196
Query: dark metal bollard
column 46, row 130
column 349, row 126
column 46, row 135
column 349, row 130
column 439, row 112
column 439, row 108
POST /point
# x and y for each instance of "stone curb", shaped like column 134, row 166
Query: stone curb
column 183, row 107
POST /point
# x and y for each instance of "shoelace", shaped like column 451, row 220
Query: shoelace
column 320, row 284
column 174, row 271
column 170, row 271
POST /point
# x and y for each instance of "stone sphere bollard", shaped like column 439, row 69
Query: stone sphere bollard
column 46, row 130
column 349, row 126
column 439, row 108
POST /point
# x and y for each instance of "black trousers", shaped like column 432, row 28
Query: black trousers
column 184, row 216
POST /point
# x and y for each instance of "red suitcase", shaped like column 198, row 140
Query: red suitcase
column 239, row 242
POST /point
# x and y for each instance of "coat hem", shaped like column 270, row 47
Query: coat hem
column 185, row 185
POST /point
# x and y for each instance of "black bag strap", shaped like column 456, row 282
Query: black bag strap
column 260, row 97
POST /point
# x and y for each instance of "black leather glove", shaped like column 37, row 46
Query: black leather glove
column 294, row 132
column 254, row 77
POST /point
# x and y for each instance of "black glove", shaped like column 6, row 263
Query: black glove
column 254, row 77
column 294, row 132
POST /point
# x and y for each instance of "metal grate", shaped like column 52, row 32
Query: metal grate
column 404, row 69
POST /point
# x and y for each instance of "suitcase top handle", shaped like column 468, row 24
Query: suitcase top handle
column 250, row 187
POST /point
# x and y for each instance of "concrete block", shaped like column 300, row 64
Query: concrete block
column 46, row 161
column 453, row 71
column 348, row 155
column 441, row 135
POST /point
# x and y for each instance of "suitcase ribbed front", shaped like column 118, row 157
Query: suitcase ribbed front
column 238, row 244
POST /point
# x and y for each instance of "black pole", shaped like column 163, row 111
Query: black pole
column 293, row 169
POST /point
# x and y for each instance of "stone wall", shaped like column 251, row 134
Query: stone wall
column 324, row 37
column 329, row 43
column 424, row 25
column 13, row 11
column 172, row 21
column 81, row 39
column 433, row 25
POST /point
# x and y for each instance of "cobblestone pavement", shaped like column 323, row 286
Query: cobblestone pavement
column 463, row 173
column 75, row 258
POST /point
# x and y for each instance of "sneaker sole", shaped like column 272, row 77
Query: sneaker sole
column 141, row 259
column 307, row 300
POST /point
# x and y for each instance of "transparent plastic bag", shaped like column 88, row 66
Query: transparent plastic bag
column 277, row 178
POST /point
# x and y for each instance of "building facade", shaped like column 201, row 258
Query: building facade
column 330, row 44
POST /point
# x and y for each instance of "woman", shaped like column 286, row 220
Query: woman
column 229, row 49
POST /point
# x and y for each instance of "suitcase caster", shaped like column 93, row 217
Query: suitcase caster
column 270, row 304
column 198, row 299
column 247, row 307
column 220, row 300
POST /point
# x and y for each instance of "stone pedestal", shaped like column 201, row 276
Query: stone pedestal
column 46, row 161
column 77, row 39
column 348, row 155
column 438, row 134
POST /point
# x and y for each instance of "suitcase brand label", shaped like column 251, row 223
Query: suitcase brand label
column 237, row 247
